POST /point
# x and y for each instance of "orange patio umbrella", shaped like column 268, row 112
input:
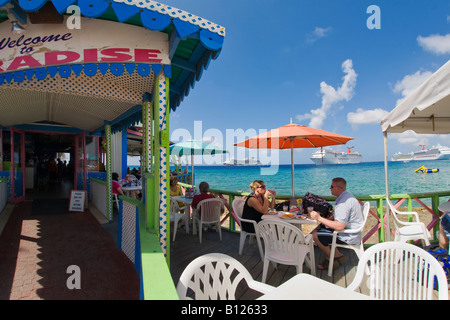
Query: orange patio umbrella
column 293, row 136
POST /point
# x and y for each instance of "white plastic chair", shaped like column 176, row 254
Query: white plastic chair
column 216, row 276
column 238, row 207
column 285, row 244
column 405, row 231
column 210, row 211
column 358, row 248
column 116, row 200
column 176, row 216
column 401, row 271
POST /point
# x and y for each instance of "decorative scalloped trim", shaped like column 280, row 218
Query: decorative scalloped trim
column 175, row 13
column 90, row 69
column 210, row 33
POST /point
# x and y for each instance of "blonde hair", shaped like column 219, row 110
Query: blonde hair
column 256, row 184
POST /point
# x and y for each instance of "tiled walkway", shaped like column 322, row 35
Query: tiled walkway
column 36, row 251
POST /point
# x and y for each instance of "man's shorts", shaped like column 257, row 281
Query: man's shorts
column 326, row 237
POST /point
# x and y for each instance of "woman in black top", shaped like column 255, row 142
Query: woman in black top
column 257, row 204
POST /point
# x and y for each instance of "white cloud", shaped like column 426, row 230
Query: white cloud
column 410, row 137
column 331, row 96
column 410, row 82
column 317, row 34
column 435, row 43
column 362, row 116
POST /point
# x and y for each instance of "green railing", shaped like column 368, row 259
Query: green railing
column 150, row 262
column 377, row 207
column 148, row 258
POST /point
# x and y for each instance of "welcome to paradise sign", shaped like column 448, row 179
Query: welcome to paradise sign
column 96, row 41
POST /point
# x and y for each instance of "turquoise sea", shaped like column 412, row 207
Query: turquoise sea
column 362, row 179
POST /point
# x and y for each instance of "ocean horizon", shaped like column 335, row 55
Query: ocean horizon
column 365, row 178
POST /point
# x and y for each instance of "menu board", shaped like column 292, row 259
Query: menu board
column 77, row 200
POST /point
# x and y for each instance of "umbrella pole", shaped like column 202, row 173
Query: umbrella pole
column 292, row 167
column 192, row 169
column 386, row 179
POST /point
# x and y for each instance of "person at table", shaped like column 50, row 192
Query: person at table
column 203, row 187
column 175, row 190
column 347, row 215
column 116, row 187
column 257, row 204
column 125, row 181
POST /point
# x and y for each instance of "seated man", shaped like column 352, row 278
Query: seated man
column 347, row 215
column 204, row 189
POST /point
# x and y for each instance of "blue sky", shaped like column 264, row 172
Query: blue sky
column 318, row 63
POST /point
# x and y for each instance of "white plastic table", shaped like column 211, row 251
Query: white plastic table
column 299, row 221
column 304, row 286
column 131, row 190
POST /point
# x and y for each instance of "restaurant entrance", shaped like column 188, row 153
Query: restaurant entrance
column 46, row 164
column 50, row 169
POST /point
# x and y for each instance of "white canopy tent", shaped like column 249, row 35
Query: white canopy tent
column 426, row 110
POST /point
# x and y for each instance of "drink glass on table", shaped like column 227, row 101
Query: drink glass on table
column 310, row 209
column 285, row 207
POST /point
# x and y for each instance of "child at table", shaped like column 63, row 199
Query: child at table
column 127, row 180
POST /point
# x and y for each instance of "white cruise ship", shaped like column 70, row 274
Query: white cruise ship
column 329, row 156
column 405, row 157
column 242, row 162
column 434, row 153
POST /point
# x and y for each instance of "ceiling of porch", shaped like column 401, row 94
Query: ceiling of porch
column 83, row 102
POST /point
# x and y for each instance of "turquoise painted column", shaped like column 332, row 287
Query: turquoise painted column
column 108, row 167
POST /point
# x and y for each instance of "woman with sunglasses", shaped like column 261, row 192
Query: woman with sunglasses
column 257, row 203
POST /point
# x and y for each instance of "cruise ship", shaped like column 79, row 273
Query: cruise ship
column 434, row 153
column 405, row 157
column 242, row 162
column 329, row 156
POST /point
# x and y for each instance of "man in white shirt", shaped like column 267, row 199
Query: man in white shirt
column 347, row 215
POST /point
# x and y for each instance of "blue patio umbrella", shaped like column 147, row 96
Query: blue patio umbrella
column 194, row 148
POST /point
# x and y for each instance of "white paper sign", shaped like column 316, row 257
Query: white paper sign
column 77, row 200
